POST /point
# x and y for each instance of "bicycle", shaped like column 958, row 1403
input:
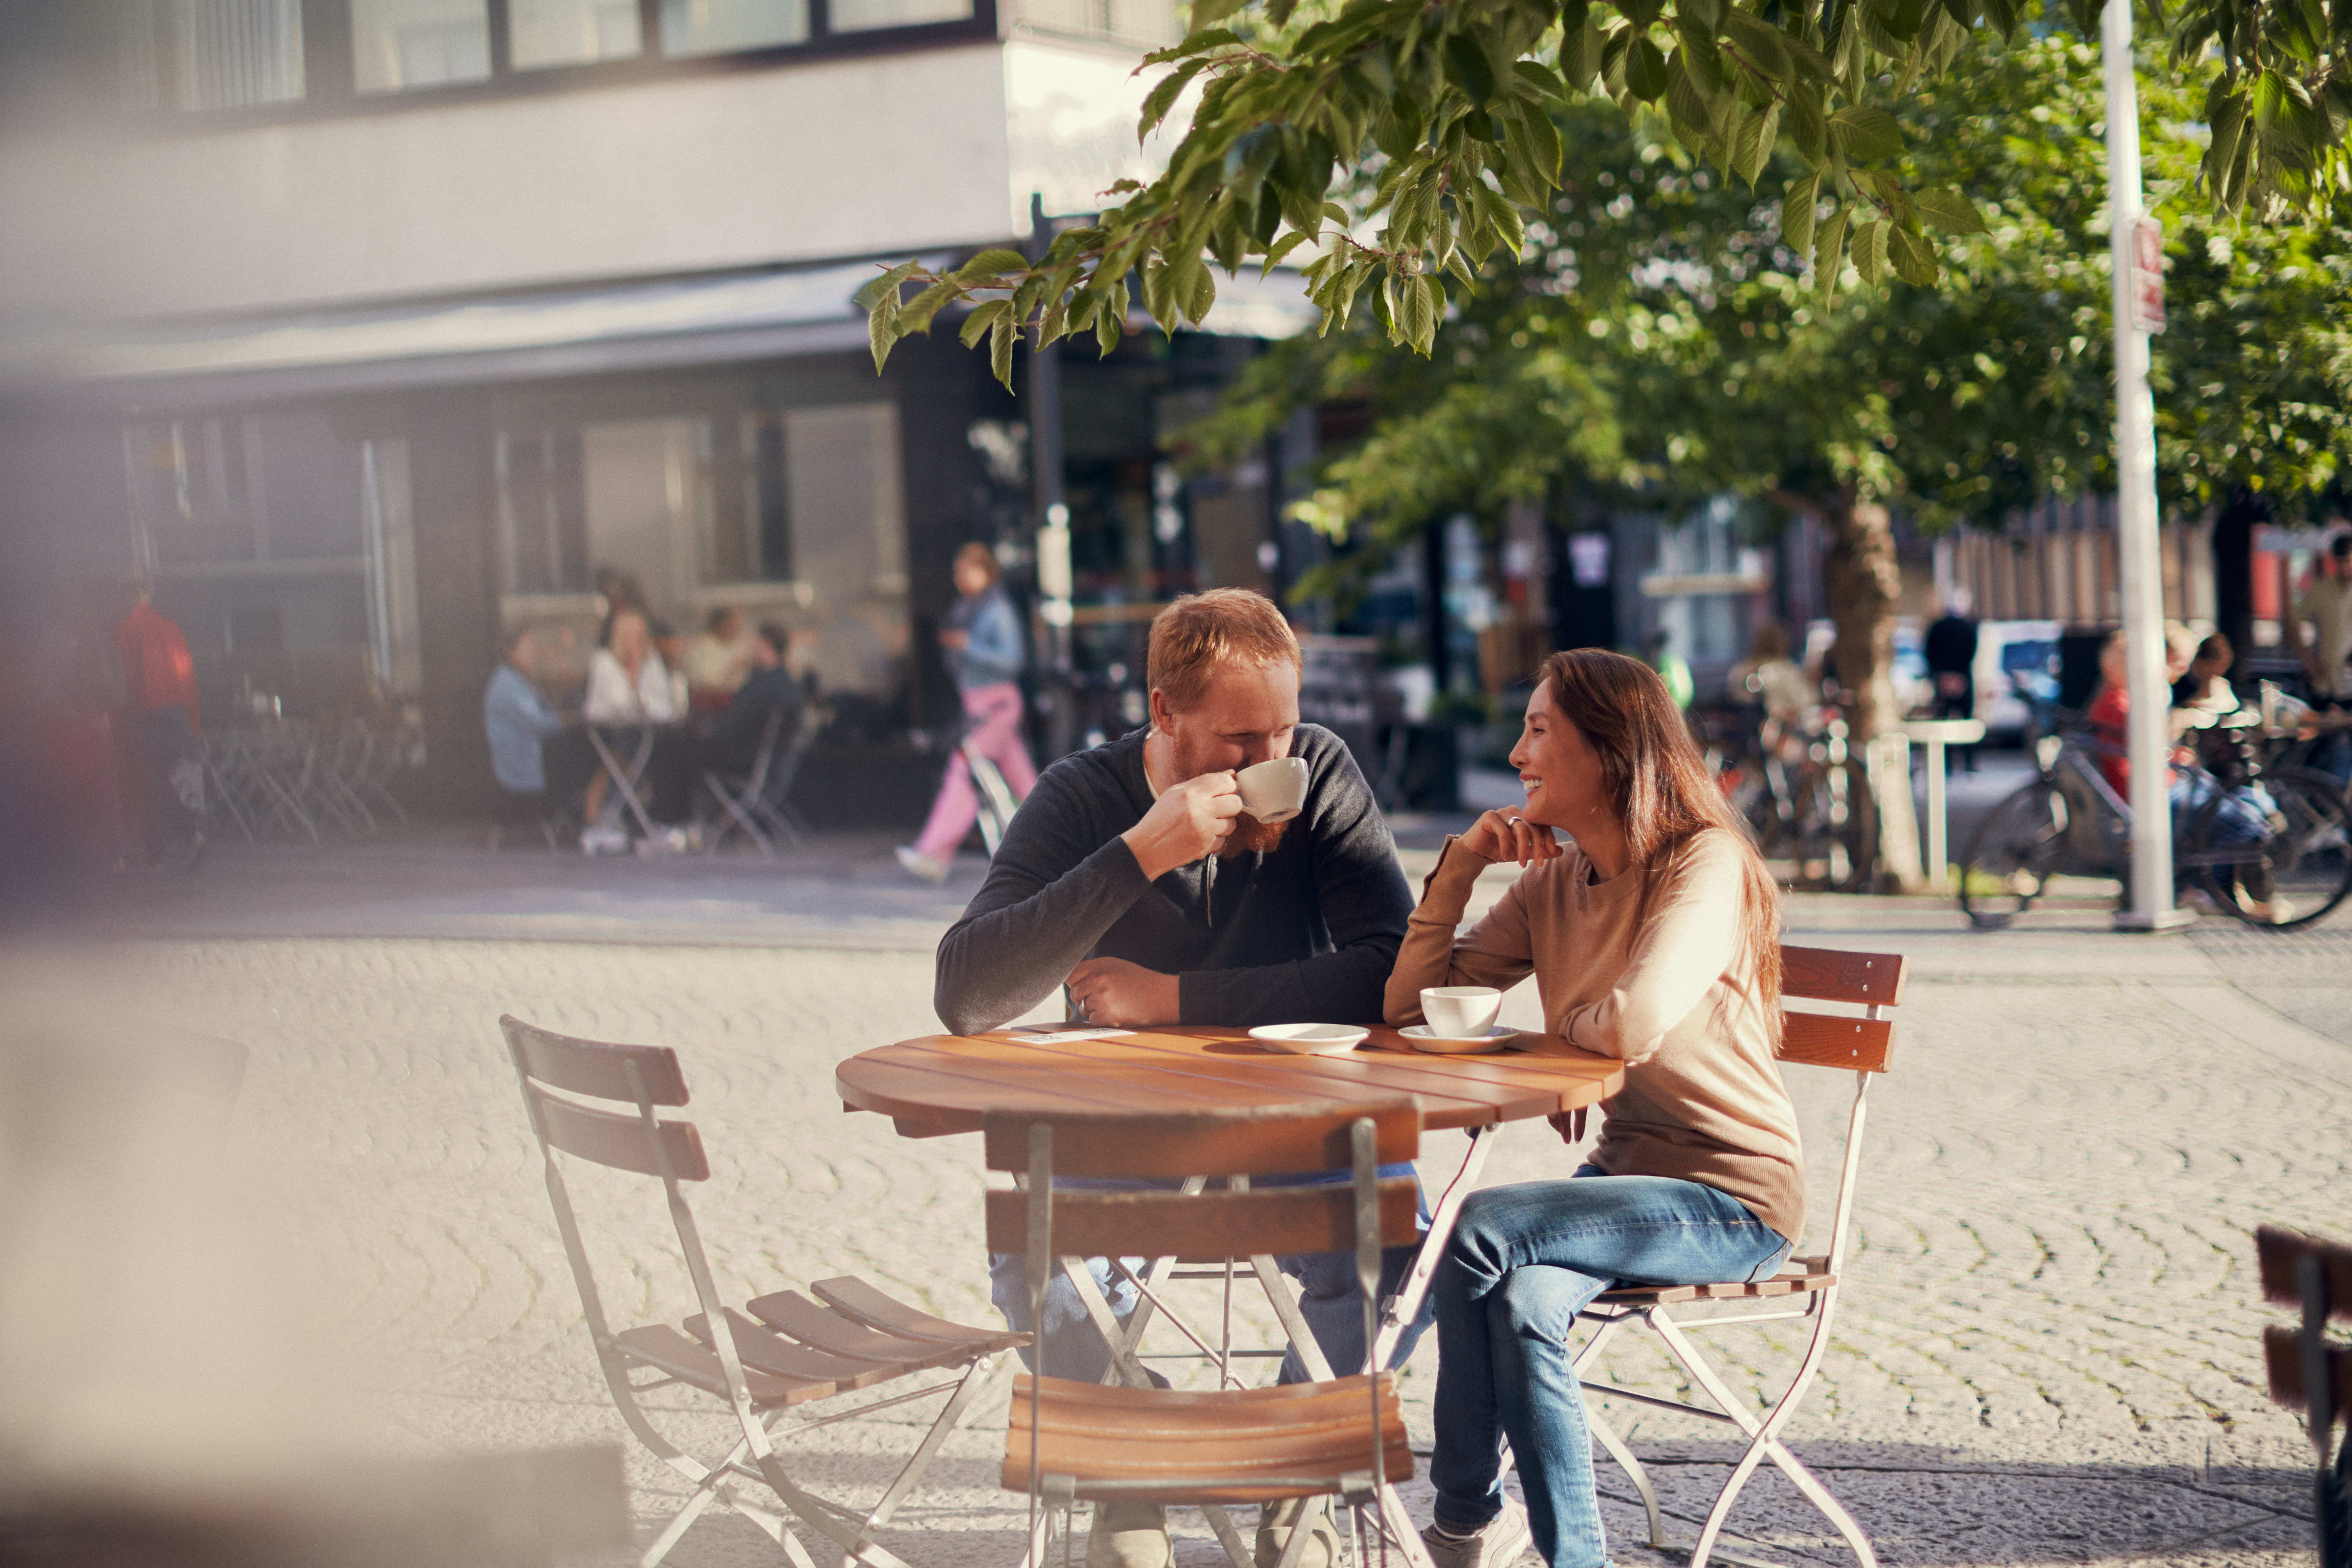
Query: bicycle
column 2269, row 845
column 1803, row 793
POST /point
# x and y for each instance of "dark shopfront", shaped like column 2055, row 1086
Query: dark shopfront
column 355, row 539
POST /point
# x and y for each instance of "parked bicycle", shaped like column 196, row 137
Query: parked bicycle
column 1803, row 792
column 2271, row 845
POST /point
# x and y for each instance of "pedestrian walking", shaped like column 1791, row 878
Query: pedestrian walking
column 1950, row 649
column 983, row 639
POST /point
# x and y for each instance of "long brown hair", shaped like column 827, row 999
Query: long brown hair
column 1659, row 787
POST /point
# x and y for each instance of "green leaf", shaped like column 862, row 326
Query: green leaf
column 1645, row 70
column 1209, row 13
column 1534, row 141
column 991, row 264
column 1108, row 323
column 875, row 294
column 1864, row 133
column 916, row 316
column 1797, row 205
column 1870, row 251
column 1688, row 101
column 1283, row 246
column 1580, row 57
column 1000, row 349
column 1913, row 256
column 1829, row 252
column 881, row 333
column 1473, row 73
column 1160, row 293
column 1572, row 14
column 1753, row 145
column 1761, row 45
column 976, row 325
column 1200, row 293
column 1162, row 98
column 1947, row 210
column 1536, row 79
column 2001, row 16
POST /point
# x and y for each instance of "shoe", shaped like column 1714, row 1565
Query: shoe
column 930, row 868
column 1275, row 1520
column 1498, row 1543
column 2273, row 910
column 603, row 840
column 1129, row 1535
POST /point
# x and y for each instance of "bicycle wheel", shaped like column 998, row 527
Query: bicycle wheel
column 2012, row 856
column 1834, row 839
column 2296, row 871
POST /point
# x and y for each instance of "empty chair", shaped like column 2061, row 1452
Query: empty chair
column 1341, row 1438
column 779, row 1353
column 2310, row 1370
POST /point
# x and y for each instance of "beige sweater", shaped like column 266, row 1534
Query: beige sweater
column 1643, row 968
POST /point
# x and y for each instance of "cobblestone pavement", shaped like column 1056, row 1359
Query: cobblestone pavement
column 2049, row 1352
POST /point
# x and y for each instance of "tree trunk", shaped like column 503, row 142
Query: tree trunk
column 1864, row 584
column 2233, row 573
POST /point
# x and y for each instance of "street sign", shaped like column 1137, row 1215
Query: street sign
column 2147, row 275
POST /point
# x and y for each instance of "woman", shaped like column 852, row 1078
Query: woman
column 629, row 689
column 983, row 639
column 1653, row 938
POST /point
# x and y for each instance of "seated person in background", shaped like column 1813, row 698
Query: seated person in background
column 630, row 690
column 2206, row 688
column 1654, row 939
column 732, row 747
column 718, row 661
column 1131, row 876
column 519, row 722
column 1777, row 681
column 2244, row 816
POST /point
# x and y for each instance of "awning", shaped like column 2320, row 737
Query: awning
column 772, row 313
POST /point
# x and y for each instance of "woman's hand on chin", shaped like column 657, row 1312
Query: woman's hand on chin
column 1507, row 835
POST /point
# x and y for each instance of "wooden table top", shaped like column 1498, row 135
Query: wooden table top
column 945, row 1083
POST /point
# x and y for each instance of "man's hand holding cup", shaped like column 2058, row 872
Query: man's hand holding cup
column 1188, row 821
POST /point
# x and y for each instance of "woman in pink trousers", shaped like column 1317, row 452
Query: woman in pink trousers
column 983, row 636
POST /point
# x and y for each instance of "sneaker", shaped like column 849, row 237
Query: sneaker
column 1275, row 1520
column 2273, row 910
column 1129, row 1535
column 930, row 868
column 601, row 839
column 1498, row 1543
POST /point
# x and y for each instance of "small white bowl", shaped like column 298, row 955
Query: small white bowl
column 1310, row 1039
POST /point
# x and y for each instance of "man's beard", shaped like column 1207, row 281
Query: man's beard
column 1251, row 836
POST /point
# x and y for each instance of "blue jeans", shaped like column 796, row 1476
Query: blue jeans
column 2242, row 818
column 1328, row 1298
column 1523, row 1262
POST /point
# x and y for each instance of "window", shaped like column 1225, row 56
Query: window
column 1143, row 23
column 714, row 27
column 398, row 44
column 862, row 15
column 213, row 54
column 573, row 32
column 542, row 525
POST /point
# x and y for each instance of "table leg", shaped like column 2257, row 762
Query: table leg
column 625, row 777
column 1405, row 1305
column 1939, row 860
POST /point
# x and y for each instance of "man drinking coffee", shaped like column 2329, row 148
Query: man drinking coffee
column 1134, row 877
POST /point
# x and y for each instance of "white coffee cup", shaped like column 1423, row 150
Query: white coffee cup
column 1461, row 1012
column 1275, row 790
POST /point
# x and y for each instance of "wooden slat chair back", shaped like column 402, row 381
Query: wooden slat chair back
column 2310, row 1370
column 780, row 1351
column 1806, row 1286
column 1341, row 1437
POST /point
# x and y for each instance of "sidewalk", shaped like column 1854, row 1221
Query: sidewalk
column 2050, row 1354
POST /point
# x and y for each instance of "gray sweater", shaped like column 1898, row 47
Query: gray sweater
column 1307, row 933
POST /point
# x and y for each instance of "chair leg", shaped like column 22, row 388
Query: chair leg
column 979, row 1379
column 1763, row 1438
column 1607, row 1437
column 1228, row 1537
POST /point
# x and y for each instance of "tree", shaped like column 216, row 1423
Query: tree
column 1449, row 108
column 1659, row 342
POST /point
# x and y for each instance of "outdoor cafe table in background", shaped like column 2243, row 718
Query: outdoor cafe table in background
column 940, row 1084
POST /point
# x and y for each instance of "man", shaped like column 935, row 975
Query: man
column 1950, row 650
column 160, row 702
column 1132, row 876
column 519, row 722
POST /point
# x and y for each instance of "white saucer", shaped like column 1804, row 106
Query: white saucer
column 1310, row 1039
column 1493, row 1040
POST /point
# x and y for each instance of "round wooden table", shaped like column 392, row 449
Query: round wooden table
column 946, row 1083
column 939, row 1084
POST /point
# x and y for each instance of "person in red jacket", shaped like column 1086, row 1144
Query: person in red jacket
column 160, row 727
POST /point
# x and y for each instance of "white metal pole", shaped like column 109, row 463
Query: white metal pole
column 2149, row 739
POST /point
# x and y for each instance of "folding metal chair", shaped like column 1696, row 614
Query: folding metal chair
column 995, row 797
column 1873, row 981
column 739, row 795
column 1343, row 1437
column 787, row 1352
column 2311, row 1372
